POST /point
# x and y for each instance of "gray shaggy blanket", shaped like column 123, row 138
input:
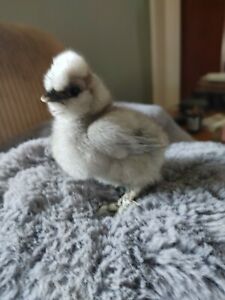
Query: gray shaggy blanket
column 54, row 246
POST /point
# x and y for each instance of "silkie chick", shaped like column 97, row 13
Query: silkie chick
column 94, row 138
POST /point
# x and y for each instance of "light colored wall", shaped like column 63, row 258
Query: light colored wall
column 165, row 41
column 113, row 35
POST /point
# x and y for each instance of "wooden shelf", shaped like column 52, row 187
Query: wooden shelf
column 204, row 134
column 210, row 87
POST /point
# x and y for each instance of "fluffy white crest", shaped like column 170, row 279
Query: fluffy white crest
column 65, row 65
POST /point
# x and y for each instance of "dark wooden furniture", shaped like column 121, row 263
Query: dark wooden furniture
column 202, row 31
column 204, row 134
column 210, row 87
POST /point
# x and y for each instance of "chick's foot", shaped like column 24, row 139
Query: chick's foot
column 127, row 199
column 119, row 206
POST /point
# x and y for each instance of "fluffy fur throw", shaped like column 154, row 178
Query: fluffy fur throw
column 169, row 247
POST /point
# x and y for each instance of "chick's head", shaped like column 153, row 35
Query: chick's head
column 72, row 88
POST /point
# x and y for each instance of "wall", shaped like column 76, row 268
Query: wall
column 165, row 52
column 113, row 35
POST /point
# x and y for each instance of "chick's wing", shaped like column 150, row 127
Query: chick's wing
column 121, row 135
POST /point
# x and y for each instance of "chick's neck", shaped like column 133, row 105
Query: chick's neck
column 102, row 103
column 79, row 123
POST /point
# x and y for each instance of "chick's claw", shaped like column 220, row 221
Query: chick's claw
column 110, row 208
column 119, row 206
column 127, row 199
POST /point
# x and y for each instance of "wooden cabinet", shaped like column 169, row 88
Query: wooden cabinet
column 201, row 37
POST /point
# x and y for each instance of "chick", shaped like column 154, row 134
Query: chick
column 93, row 138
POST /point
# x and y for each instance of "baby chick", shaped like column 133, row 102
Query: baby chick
column 92, row 138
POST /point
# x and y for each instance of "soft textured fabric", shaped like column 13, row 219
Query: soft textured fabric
column 168, row 247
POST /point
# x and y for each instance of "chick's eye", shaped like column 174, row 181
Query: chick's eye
column 74, row 90
column 57, row 96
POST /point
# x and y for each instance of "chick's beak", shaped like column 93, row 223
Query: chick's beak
column 44, row 98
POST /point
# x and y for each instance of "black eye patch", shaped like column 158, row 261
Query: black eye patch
column 70, row 92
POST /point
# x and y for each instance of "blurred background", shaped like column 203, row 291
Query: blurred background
column 112, row 35
column 166, row 52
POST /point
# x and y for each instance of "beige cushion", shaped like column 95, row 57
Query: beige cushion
column 25, row 55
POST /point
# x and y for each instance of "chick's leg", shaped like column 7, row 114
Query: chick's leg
column 128, row 198
column 108, row 208
column 123, row 202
